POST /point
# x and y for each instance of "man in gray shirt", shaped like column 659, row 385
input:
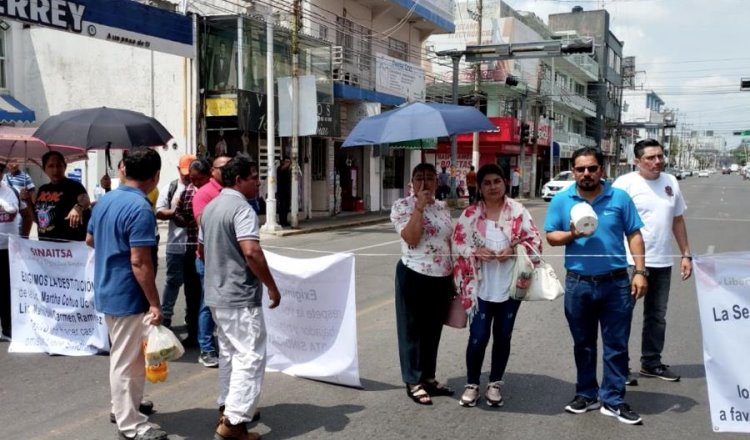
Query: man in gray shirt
column 235, row 268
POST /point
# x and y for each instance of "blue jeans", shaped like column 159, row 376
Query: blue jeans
column 175, row 280
column 206, row 340
column 654, row 316
column 504, row 316
column 608, row 304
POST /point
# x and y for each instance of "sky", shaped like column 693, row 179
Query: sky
column 692, row 53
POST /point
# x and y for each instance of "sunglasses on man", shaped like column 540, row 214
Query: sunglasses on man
column 591, row 169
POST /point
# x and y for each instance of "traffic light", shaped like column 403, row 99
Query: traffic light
column 525, row 133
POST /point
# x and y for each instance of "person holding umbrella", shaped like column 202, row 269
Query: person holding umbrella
column 62, row 207
column 424, row 286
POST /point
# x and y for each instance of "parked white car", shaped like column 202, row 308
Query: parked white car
column 557, row 184
column 703, row 173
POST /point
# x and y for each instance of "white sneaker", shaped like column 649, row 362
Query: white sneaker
column 470, row 396
column 493, row 396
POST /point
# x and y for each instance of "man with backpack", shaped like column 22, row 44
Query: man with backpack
column 180, row 255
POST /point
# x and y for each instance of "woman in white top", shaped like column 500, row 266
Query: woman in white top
column 484, row 241
column 424, row 286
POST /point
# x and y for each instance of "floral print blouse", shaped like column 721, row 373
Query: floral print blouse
column 470, row 234
column 432, row 256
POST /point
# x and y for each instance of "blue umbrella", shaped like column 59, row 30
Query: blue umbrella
column 418, row 120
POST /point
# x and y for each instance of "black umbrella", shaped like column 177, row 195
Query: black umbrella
column 102, row 128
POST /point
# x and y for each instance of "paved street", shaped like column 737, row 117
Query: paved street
column 55, row 398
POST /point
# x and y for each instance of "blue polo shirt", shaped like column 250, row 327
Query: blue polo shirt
column 122, row 219
column 604, row 250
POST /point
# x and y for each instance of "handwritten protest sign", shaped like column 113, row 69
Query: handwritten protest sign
column 52, row 299
column 723, row 286
column 313, row 332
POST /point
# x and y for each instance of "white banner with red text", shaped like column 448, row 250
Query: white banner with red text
column 313, row 331
column 52, row 299
column 723, row 287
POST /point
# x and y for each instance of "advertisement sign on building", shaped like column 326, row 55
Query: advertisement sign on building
column 399, row 78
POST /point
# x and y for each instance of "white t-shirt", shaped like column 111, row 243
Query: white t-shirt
column 658, row 202
column 8, row 211
column 496, row 276
column 176, row 236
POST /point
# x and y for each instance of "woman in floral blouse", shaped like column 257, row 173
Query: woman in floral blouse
column 424, row 286
column 484, row 241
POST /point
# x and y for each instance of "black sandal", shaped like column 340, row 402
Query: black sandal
column 435, row 388
column 418, row 394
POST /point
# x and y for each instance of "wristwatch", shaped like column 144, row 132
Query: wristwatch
column 643, row 272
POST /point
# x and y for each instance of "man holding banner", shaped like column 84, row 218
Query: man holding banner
column 235, row 268
column 122, row 230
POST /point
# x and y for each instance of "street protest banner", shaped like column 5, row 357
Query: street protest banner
column 723, row 286
column 52, row 299
column 313, row 331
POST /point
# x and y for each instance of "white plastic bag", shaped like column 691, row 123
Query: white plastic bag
column 161, row 345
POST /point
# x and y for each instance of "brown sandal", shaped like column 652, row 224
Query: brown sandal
column 418, row 394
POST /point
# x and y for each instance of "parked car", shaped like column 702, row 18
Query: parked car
column 703, row 173
column 557, row 184
column 726, row 171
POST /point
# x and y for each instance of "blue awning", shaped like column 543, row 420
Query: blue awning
column 13, row 111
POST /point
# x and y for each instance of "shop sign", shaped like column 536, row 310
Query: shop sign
column 120, row 21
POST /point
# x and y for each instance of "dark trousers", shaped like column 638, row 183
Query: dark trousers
column 421, row 308
column 655, row 316
column 472, row 194
column 514, row 191
column 609, row 305
column 283, row 206
column 496, row 319
column 5, row 293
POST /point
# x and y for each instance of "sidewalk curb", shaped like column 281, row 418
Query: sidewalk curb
column 327, row 227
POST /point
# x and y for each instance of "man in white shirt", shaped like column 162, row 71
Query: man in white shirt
column 11, row 206
column 660, row 204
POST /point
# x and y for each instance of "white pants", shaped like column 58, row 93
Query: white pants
column 242, row 360
column 127, row 372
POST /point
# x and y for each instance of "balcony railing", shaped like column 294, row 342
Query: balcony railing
column 586, row 63
column 570, row 99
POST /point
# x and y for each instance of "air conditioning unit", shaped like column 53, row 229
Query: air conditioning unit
column 337, row 55
column 343, row 76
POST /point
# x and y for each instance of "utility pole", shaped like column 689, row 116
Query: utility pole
column 295, row 112
column 270, row 225
column 552, row 124
column 456, row 58
column 477, row 84
column 522, row 144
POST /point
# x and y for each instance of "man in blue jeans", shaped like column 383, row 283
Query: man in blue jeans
column 660, row 204
column 598, row 289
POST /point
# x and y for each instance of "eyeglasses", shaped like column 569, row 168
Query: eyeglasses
column 591, row 169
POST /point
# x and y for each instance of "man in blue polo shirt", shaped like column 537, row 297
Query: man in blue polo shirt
column 121, row 230
column 598, row 289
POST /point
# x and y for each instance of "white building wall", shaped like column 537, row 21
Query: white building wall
column 55, row 71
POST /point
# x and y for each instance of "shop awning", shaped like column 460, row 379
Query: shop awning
column 417, row 144
column 13, row 111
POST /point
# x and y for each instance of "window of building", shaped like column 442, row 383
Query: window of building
column 580, row 89
column 398, row 49
column 355, row 40
column 617, row 63
column 393, row 172
column 318, row 159
column 3, row 63
column 323, row 32
column 576, row 126
column 611, row 58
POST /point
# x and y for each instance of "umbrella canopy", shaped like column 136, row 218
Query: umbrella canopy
column 18, row 143
column 102, row 128
column 418, row 120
